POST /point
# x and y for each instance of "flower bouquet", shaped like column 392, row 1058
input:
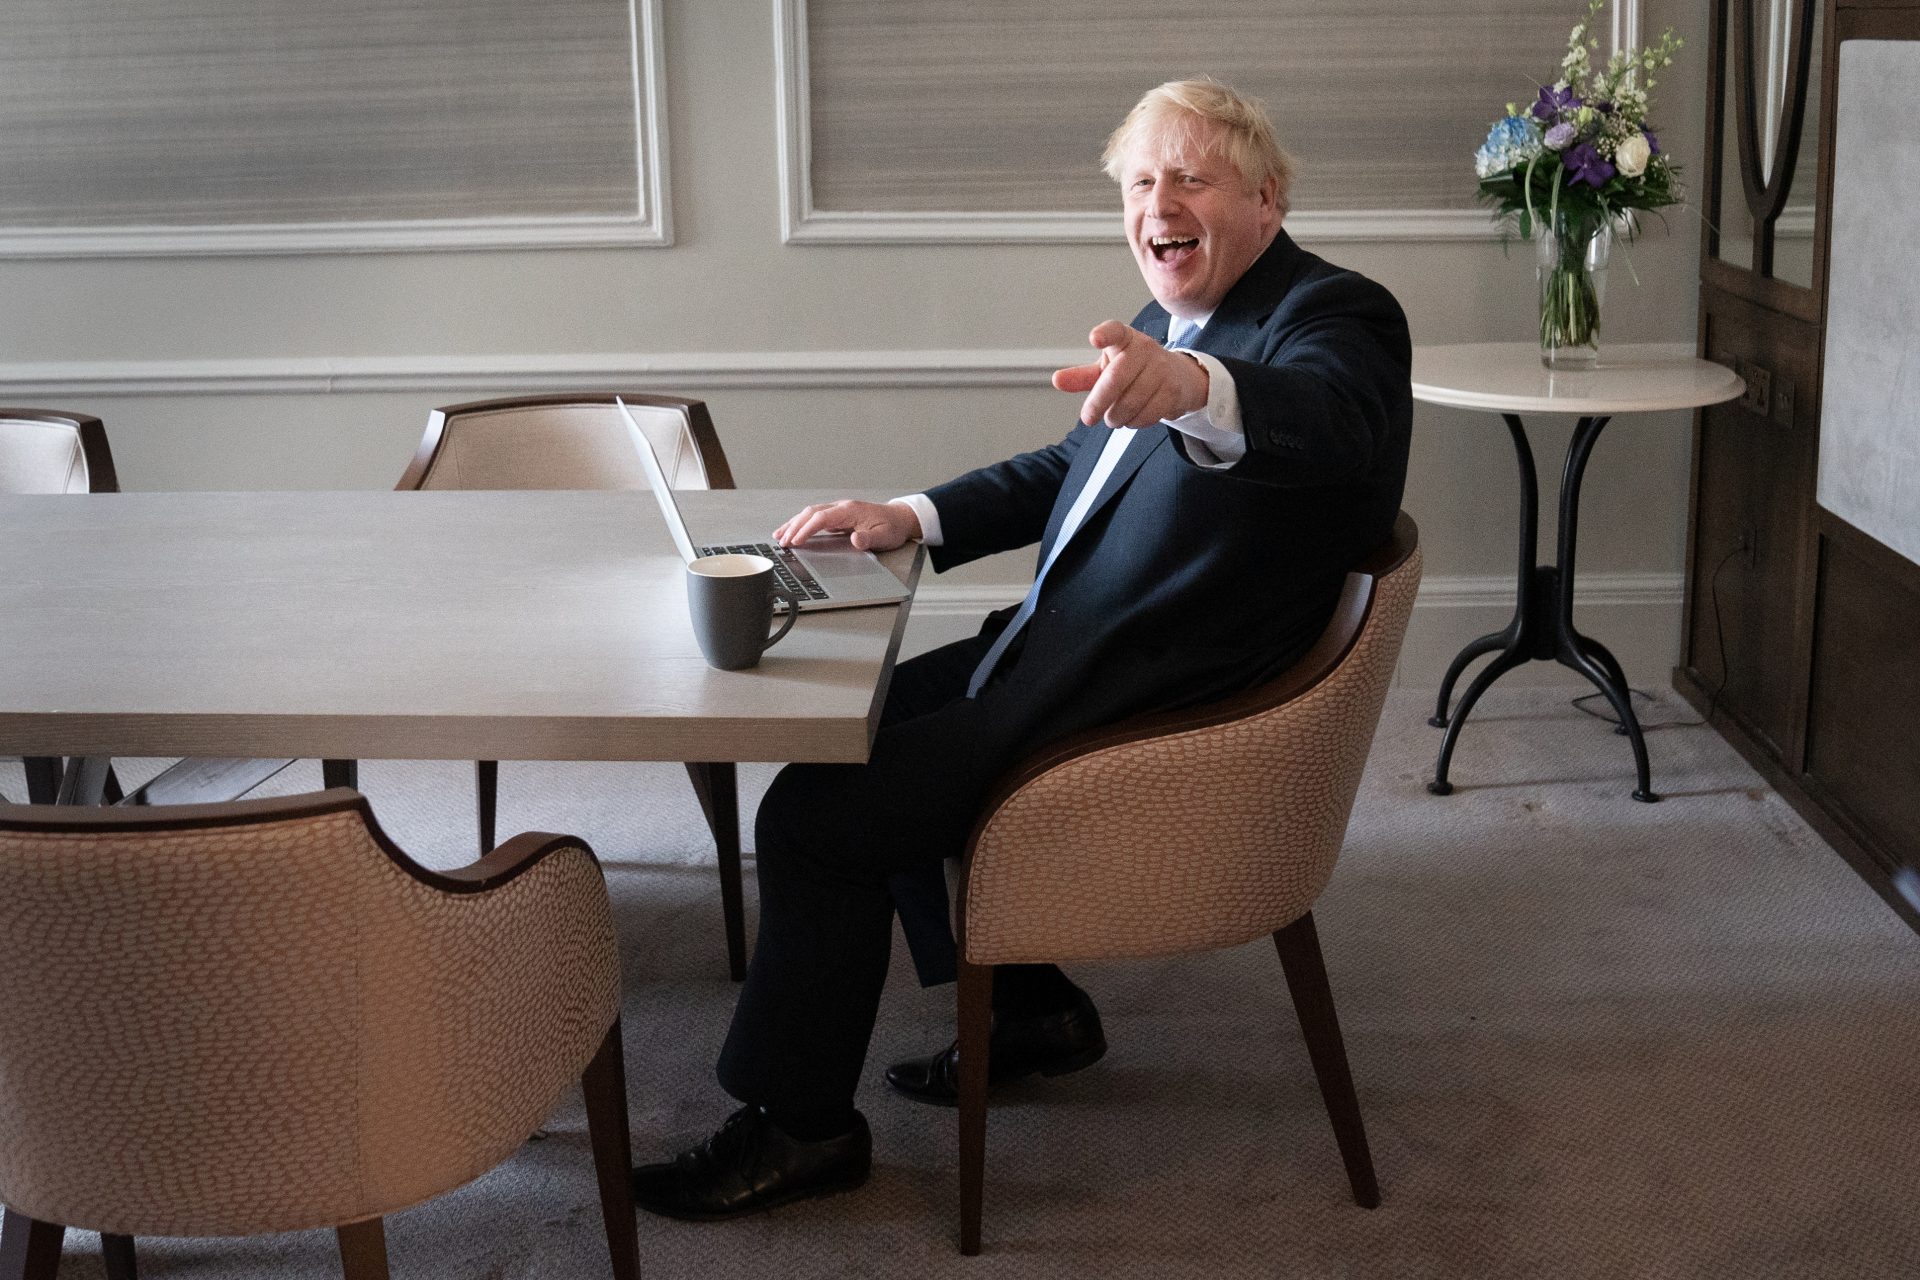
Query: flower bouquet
column 1568, row 166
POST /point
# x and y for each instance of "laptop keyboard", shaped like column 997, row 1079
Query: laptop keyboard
column 787, row 568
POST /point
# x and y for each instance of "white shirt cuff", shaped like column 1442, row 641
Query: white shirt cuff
column 929, row 518
column 1215, row 437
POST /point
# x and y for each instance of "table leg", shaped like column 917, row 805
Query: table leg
column 1519, row 641
column 1542, row 626
column 717, row 786
column 1582, row 653
column 43, row 779
column 1602, row 655
column 1462, row 660
column 85, row 780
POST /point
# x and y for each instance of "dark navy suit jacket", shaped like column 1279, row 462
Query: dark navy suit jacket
column 1183, row 583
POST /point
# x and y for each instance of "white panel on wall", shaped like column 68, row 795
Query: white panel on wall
column 179, row 126
column 983, row 119
column 1870, row 406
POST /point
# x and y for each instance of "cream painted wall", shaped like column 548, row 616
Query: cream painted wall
column 730, row 286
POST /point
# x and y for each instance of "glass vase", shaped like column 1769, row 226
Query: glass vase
column 1573, row 281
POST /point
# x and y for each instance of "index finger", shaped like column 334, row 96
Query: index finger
column 1079, row 377
column 1113, row 382
column 830, row 518
column 779, row 532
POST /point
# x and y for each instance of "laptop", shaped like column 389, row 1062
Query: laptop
column 835, row 579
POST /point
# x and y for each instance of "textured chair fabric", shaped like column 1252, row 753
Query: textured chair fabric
column 1191, row 840
column 1186, row 831
column 562, row 446
column 262, row 1017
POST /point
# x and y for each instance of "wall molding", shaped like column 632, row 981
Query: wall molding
column 802, row 223
column 639, row 371
column 649, row 225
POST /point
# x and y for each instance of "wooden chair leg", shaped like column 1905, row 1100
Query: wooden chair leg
column 340, row 773
column 43, row 779
column 486, row 789
column 717, row 786
column 363, row 1250
column 605, row 1086
column 976, row 1026
column 118, row 1252
column 1299, row 948
column 29, row 1248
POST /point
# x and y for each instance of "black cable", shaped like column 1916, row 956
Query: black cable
column 1720, row 643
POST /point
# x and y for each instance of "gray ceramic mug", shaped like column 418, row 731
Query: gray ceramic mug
column 731, row 599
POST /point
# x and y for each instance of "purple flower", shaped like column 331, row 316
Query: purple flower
column 1553, row 101
column 1560, row 136
column 1653, row 143
column 1587, row 165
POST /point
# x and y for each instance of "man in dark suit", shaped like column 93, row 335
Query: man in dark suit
column 1194, row 533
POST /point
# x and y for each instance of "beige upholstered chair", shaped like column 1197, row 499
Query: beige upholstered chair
column 569, row 441
column 1189, row 831
column 50, row 451
column 224, row 1020
column 580, row 441
column 47, row 451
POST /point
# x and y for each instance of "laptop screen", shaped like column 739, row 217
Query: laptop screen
column 657, row 481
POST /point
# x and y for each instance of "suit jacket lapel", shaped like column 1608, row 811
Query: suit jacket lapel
column 1079, row 471
column 1139, row 449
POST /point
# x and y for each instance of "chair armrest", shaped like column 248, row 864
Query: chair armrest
column 486, row 993
column 505, row 862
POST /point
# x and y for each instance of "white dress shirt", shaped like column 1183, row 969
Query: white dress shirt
column 1215, row 439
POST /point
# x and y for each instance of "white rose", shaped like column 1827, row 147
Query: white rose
column 1631, row 156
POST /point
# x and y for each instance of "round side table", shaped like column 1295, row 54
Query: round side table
column 1507, row 378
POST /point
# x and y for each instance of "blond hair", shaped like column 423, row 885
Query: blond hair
column 1168, row 118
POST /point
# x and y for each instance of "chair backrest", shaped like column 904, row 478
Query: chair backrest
column 577, row 441
column 1193, row 829
column 47, row 451
column 261, row 1016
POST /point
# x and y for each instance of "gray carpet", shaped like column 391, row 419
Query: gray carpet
column 1592, row 1038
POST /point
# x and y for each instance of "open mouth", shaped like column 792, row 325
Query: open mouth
column 1172, row 249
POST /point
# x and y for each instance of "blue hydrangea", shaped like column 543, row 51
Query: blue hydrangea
column 1511, row 142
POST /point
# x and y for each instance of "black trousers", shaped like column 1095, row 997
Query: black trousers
column 829, row 839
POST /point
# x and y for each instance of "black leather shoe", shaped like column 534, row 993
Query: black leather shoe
column 750, row 1166
column 1052, row 1044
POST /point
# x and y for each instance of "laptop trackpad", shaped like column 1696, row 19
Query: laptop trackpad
column 842, row 564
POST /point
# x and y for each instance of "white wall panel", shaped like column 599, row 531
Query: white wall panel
column 174, row 126
column 983, row 120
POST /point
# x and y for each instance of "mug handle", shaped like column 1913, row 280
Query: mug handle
column 792, row 602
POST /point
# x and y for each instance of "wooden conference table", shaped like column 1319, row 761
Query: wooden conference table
column 420, row 625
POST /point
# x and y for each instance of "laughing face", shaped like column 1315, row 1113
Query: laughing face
column 1194, row 224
